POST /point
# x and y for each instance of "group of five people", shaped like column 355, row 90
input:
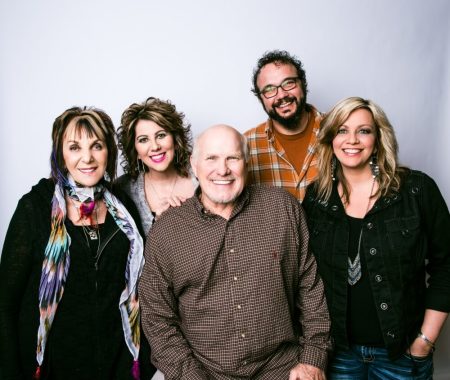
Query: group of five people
column 197, row 259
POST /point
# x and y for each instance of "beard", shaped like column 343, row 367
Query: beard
column 290, row 122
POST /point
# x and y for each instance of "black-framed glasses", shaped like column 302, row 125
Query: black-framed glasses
column 270, row 90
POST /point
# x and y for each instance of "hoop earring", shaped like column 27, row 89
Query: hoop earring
column 333, row 167
column 374, row 167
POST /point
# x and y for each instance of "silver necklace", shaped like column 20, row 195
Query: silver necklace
column 90, row 232
column 174, row 182
column 354, row 267
column 94, row 234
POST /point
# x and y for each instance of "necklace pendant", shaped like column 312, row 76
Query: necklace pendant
column 93, row 235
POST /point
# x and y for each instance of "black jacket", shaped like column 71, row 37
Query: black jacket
column 86, row 339
column 406, row 235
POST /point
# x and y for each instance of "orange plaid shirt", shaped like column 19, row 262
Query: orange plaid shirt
column 268, row 163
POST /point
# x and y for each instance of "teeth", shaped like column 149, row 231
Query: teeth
column 284, row 104
column 222, row 182
column 87, row 170
column 352, row 151
column 157, row 157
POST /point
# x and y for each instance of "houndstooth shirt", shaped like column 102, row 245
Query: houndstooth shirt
column 223, row 299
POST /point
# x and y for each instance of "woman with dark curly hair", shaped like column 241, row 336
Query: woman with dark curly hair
column 156, row 145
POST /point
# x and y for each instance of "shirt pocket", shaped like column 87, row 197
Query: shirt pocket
column 403, row 236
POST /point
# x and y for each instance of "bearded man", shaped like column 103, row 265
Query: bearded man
column 282, row 149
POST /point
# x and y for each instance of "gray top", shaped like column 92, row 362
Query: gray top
column 136, row 191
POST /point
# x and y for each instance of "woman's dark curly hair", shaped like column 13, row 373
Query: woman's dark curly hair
column 165, row 114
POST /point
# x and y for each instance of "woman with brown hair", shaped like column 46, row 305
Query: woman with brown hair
column 70, row 265
column 156, row 145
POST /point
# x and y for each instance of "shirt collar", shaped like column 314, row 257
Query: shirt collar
column 239, row 203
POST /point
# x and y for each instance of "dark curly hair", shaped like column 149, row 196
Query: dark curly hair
column 165, row 114
column 279, row 57
column 94, row 122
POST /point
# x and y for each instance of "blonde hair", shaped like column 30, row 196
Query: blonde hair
column 385, row 151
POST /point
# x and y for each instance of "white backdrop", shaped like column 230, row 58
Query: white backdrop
column 200, row 54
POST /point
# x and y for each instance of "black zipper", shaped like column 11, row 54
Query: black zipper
column 100, row 250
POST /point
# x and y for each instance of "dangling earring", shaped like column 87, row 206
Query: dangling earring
column 374, row 167
column 106, row 177
column 333, row 167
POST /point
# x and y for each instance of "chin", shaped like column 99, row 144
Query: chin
column 90, row 182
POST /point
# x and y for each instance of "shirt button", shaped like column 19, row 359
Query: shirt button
column 390, row 334
column 373, row 251
column 242, row 335
column 244, row 362
column 384, row 306
column 369, row 226
column 378, row 278
column 232, row 250
column 239, row 307
column 334, row 208
column 235, row 278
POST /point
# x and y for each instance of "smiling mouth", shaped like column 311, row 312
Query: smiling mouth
column 352, row 151
column 158, row 157
column 222, row 181
column 87, row 170
column 284, row 102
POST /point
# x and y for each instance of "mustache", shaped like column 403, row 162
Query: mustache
column 287, row 98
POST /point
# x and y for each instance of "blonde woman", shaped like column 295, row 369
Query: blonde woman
column 377, row 229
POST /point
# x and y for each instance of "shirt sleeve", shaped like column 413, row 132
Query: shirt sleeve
column 437, row 226
column 314, row 320
column 15, row 269
column 161, row 322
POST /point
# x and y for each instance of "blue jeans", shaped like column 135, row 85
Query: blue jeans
column 372, row 363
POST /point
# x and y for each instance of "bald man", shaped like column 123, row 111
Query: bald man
column 229, row 289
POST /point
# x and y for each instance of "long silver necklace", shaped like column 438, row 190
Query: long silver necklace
column 354, row 267
column 92, row 232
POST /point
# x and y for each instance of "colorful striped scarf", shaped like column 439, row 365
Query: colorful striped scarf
column 55, row 268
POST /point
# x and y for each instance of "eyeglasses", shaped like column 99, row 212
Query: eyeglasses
column 270, row 90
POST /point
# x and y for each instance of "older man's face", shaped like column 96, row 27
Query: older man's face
column 220, row 167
